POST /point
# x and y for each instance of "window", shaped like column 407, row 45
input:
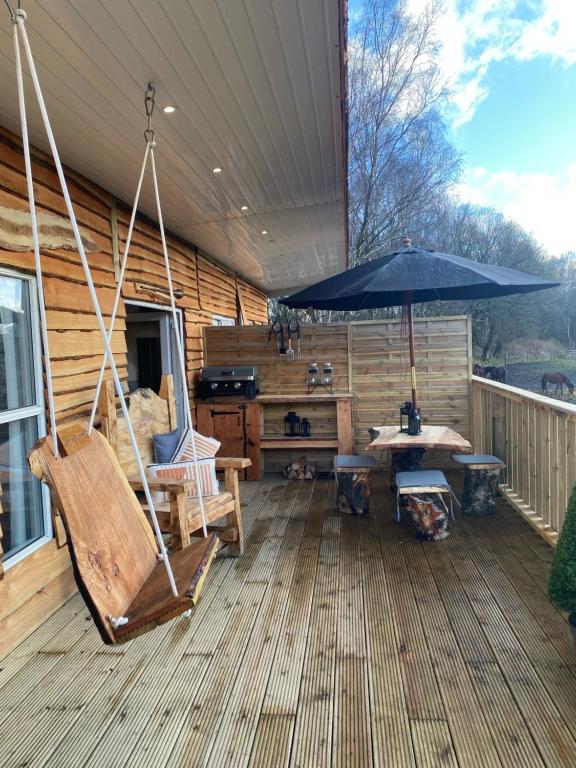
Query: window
column 222, row 320
column 25, row 518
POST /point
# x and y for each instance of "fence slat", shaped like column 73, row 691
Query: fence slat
column 536, row 437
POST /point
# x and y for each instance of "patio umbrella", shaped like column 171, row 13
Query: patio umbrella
column 413, row 275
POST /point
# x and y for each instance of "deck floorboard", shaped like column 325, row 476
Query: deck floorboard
column 334, row 641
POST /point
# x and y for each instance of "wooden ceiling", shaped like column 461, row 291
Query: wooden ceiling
column 257, row 85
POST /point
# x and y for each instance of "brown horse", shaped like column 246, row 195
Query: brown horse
column 559, row 379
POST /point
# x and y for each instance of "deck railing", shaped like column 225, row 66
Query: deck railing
column 536, row 437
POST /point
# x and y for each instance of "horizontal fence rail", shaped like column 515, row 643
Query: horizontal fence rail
column 536, row 437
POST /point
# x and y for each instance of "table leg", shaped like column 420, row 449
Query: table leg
column 407, row 460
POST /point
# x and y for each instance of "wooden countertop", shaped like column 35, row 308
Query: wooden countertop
column 318, row 397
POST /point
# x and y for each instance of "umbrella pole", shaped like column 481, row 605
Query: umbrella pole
column 411, row 345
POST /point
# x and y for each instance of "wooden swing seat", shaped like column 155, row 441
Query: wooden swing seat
column 111, row 544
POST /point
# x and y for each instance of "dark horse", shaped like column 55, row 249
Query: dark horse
column 494, row 372
column 560, row 379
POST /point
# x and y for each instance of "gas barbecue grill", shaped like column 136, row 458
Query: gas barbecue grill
column 240, row 380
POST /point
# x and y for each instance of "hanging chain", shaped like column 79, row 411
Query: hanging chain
column 149, row 104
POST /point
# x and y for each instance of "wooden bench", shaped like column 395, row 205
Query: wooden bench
column 153, row 414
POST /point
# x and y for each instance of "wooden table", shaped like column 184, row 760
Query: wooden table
column 440, row 438
column 407, row 452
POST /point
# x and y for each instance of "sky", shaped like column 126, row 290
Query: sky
column 511, row 69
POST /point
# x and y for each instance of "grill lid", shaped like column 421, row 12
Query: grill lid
column 228, row 373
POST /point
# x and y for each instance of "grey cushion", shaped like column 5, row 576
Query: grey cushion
column 354, row 462
column 165, row 446
column 475, row 458
column 420, row 478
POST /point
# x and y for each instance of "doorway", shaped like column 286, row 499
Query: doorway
column 152, row 350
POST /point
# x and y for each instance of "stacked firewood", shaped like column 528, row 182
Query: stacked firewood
column 300, row 470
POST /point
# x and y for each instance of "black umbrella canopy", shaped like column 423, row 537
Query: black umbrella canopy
column 417, row 273
column 410, row 276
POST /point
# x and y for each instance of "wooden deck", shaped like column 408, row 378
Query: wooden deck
column 333, row 641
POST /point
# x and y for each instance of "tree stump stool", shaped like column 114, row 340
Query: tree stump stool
column 353, row 483
column 481, row 475
column 421, row 494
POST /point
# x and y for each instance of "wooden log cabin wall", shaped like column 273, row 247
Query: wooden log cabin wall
column 370, row 361
column 37, row 585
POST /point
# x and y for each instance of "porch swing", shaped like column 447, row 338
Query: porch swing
column 127, row 580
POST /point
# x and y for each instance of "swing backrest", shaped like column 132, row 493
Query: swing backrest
column 111, row 544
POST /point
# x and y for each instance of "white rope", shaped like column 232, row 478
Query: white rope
column 36, row 244
column 20, row 17
column 119, row 287
column 179, row 345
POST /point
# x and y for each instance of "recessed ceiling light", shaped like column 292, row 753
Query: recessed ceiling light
column 217, row 170
column 264, row 231
column 169, row 108
column 244, row 208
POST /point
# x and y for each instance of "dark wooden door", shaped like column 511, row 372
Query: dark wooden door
column 229, row 428
column 237, row 427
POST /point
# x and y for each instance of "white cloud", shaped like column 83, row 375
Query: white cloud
column 543, row 204
column 479, row 33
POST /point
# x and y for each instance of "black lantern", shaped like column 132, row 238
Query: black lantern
column 305, row 428
column 292, row 425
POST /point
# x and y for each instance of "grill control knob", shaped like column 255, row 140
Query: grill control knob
column 237, row 385
column 213, row 385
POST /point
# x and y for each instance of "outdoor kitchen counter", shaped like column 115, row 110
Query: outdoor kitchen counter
column 254, row 427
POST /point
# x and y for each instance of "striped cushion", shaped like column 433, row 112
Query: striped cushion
column 184, row 470
column 206, row 447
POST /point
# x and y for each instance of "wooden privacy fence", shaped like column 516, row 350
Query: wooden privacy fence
column 370, row 360
column 536, row 437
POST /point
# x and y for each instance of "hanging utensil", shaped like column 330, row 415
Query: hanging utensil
column 290, row 352
column 294, row 327
column 277, row 330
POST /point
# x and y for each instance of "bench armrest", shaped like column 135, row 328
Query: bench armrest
column 225, row 463
column 167, row 485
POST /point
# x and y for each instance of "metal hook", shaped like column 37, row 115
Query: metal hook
column 149, row 104
column 11, row 10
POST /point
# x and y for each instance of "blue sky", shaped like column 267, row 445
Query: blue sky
column 511, row 67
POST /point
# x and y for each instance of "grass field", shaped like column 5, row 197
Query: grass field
column 529, row 376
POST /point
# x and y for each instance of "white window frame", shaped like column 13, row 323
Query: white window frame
column 38, row 410
column 221, row 320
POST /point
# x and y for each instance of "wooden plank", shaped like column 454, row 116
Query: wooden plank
column 299, row 443
column 236, row 731
column 344, row 427
column 445, row 653
column 133, row 726
column 352, row 723
column 538, row 710
column 312, row 743
column 390, row 723
column 19, row 623
column 91, row 479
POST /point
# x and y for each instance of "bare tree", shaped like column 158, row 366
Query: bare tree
column 400, row 159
